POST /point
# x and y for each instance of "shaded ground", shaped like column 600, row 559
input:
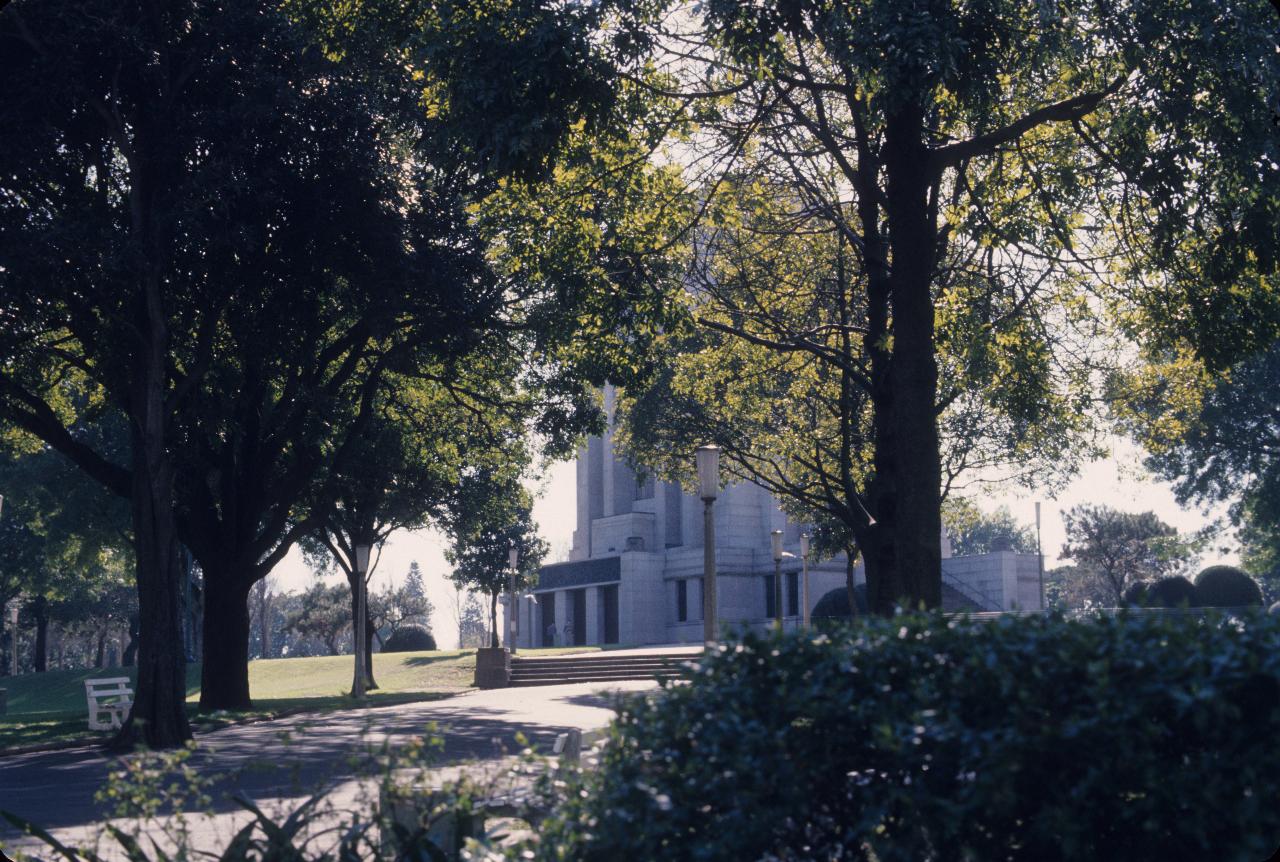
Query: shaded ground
column 293, row 757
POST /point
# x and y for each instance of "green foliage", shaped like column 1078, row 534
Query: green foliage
column 923, row 738
column 1226, row 587
column 493, row 513
column 1215, row 436
column 1113, row 548
column 1173, row 591
column 410, row 638
column 976, row 532
column 324, row 614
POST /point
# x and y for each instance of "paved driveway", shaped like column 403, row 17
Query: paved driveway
column 293, row 757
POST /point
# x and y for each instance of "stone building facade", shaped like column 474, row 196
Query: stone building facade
column 634, row 574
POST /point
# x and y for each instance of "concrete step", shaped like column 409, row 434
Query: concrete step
column 561, row 665
column 595, row 668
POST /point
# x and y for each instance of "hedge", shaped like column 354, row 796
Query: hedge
column 410, row 638
column 923, row 737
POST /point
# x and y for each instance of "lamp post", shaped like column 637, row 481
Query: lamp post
column 804, row 578
column 776, row 537
column 708, row 461
column 513, row 560
column 1039, row 556
column 13, row 635
column 362, row 566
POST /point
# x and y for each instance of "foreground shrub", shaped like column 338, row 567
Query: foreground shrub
column 1226, row 587
column 922, row 738
column 410, row 638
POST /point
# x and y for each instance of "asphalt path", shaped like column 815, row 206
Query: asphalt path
column 291, row 758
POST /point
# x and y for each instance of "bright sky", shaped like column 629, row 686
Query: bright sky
column 1119, row 482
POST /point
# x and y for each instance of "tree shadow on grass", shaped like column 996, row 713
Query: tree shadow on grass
column 424, row 660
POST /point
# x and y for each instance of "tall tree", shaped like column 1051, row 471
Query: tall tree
column 1215, row 435
column 981, row 157
column 1120, row 548
column 493, row 514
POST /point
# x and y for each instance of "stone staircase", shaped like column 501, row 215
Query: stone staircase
column 595, row 667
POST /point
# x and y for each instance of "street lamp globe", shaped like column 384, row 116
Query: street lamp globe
column 708, row 458
column 804, row 546
column 513, row 557
column 362, row 558
column 776, row 536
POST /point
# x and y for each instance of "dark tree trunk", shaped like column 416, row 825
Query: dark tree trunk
column 849, row 585
column 40, row 610
column 130, row 656
column 493, row 619
column 100, row 659
column 264, row 624
column 224, row 675
column 905, row 549
column 353, row 587
column 4, row 655
column 159, row 716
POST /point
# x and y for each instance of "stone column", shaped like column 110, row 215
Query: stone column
column 564, row 611
column 594, row 621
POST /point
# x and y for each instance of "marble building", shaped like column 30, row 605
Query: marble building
column 634, row 574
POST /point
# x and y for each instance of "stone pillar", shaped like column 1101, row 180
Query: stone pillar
column 594, row 620
column 564, row 614
column 582, row 534
column 1009, row 579
column 493, row 667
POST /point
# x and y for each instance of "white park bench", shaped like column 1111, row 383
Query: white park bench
column 111, row 698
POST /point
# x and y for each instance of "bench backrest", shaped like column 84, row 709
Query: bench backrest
column 114, row 687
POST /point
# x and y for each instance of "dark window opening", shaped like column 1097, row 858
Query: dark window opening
column 793, row 594
column 682, row 601
column 770, row 606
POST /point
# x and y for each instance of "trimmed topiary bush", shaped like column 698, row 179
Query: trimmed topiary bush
column 1135, row 594
column 930, row 738
column 1174, row 591
column 1227, row 587
column 834, row 605
column 410, row 638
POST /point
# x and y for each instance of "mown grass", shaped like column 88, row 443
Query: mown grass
column 50, row 707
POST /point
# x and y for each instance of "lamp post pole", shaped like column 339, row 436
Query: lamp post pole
column 362, row 566
column 1039, row 556
column 708, row 461
column 513, row 560
column 776, row 538
column 804, row 568
column 13, row 636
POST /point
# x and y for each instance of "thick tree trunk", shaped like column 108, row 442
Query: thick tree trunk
column 908, row 465
column 224, row 674
column 353, row 587
column 130, row 656
column 493, row 619
column 4, row 654
column 100, row 659
column 264, row 624
column 159, row 716
column 40, row 610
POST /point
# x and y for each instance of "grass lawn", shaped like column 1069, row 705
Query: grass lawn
column 49, row 707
